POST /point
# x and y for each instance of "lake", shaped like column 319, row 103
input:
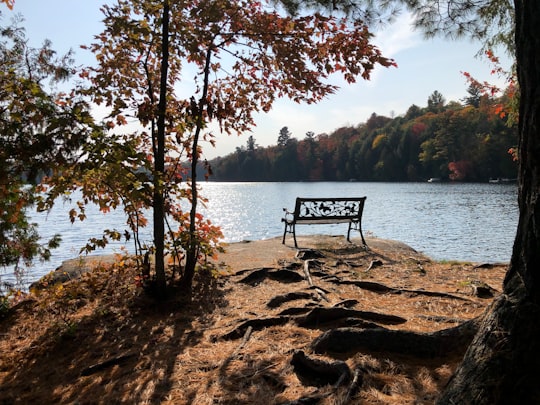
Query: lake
column 446, row 221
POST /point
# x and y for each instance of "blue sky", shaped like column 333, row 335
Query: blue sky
column 423, row 67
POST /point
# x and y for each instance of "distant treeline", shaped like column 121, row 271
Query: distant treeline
column 469, row 141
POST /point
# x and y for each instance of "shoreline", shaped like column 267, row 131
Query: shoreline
column 252, row 254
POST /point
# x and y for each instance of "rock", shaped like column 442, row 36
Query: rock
column 73, row 269
column 481, row 289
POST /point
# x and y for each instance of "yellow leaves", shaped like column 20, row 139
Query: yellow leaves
column 379, row 139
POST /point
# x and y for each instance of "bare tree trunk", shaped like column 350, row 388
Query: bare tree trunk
column 502, row 364
column 193, row 244
column 159, row 161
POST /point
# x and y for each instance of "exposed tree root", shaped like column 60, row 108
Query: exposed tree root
column 255, row 324
column 317, row 372
column 280, row 299
column 118, row 360
column 383, row 289
column 257, row 276
column 319, row 316
column 436, row 344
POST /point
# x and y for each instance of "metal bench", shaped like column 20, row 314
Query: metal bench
column 312, row 211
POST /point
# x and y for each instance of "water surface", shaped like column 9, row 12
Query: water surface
column 468, row 222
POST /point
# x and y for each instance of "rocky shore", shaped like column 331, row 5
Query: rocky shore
column 330, row 322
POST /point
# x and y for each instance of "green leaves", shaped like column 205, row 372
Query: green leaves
column 41, row 131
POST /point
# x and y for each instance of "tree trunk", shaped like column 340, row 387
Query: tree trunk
column 159, row 161
column 193, row 244
column 502, row 363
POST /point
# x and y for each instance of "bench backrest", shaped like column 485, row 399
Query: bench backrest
column 329, row 208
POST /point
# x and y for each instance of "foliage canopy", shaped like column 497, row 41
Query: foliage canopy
column 240, row 56
column 449, row 141
column 40, row 128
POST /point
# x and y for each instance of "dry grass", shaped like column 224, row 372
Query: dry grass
column 172, row 352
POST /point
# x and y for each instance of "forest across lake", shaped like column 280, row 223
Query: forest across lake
column 451, row 141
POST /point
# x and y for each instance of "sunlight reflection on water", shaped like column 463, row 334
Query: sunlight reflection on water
column 470, row 222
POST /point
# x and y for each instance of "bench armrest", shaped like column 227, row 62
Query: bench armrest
column 289, row 215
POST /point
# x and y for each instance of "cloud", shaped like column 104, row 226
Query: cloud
column 398, row 36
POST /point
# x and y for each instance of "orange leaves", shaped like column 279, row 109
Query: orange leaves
column 459, row 170
column 8, row 3
column 84, row 74
column 292, row 57
column 514, row 153
column 270, row 56
column 486, row 87
column 121, row 120
column 507, row 108
column 240, row 57
column 499, row 110
column 74, row 214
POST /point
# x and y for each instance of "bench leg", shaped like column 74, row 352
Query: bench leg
column 358, row 227
column 289, row 228
column 349, row 232
column 362, row 235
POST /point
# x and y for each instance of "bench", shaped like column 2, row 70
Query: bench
column 311, row 211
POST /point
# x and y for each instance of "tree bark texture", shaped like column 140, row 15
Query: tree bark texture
column 159, row 161
column 194, row 242
column 502, row 363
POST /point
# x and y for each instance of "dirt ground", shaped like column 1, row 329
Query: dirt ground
column 253, row 334
column 269, row 252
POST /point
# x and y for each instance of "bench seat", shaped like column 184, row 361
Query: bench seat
column 313, row 211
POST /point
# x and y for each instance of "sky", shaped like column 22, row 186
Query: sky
column 423, row 67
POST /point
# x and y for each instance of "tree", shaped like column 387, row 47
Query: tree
column 310, row 136
column 412, row 112
column 501, row 364
column 242, row 56
column 475, row 94
column 251, row 144
column 41, row 130
column 284, row 136
column 436, row 102
column 462, row 142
